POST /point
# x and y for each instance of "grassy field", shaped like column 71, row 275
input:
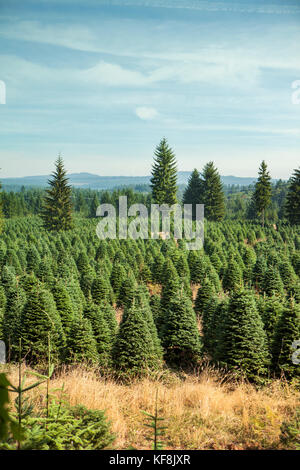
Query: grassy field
column 201, row 411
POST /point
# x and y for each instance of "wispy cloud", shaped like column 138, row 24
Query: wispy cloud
column 146, row 113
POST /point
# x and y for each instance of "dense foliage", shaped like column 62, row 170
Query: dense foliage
column 71, row 284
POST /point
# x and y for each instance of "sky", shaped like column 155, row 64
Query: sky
column 102, row 81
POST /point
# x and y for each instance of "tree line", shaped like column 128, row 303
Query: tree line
column 265, row 200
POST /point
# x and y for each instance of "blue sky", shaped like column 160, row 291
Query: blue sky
column 103, row 81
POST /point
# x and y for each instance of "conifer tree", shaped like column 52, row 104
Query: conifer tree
column 11, row 326
column 127, row 291
column 164, row 175
column 155, row 307
column 233, row 276
column 272, row 282
column 214, row 312
column 193, row 193
column 270, row 309
column 287, row 331
column 292, row 206
column 94, row 206
column 182, row 266
column 101, row 331
column 204, row 294
column 100, row 290
column 259, row 271
column 262, row 193
column 213, row 195
column 134, row 351
column 158, row 267
column 180, row 336
column 37, row 322
column 171, row 285
column 33, row 259
column 109, row 315
column 242, row 344
column 143, row 302
column 45, row 274
column 64, row 306
column 57, row 206
column 81, row 343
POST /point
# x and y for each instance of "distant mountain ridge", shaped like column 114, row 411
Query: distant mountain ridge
column 89, row 180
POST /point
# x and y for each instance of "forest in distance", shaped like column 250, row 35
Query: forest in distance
column 127, row 314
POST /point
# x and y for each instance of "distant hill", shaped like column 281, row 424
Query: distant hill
column 89, row 180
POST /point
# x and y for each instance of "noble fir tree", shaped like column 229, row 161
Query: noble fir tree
column 193, row 191
column 204, row 294
column 180, row 336
column 57, row 205
column 287, row 332
column 292, row 206
column 134, row 351
column 242, row 342
column 81, row 343
column 262, row 194
column 164, row 175
column 213, row 195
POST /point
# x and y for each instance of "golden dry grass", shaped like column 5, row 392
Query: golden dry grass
column 201, row 412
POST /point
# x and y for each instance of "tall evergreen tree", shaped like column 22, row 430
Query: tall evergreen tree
column 164, row 175
column 193, row 193
column 262, row 194
column 94, row 205
column 213, row 195
column 57, row 207
column 292, row 206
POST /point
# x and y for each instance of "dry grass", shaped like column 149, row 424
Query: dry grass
column 201, row 412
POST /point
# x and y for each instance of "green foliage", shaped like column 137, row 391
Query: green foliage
column 7, row 424
column 292, row 206
column 204, row 294
column 164, row 175
column 39, row 318
column 290, row 432
column 212, row 193
column 57, row 205
column 81, row 343
column 179, row 334
column 101, row 332
column 262, row 194
column 68, row 428
column 242, row 343
column 154, row 424
column 287, row 331
column 194, row 191
column 134, row 351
